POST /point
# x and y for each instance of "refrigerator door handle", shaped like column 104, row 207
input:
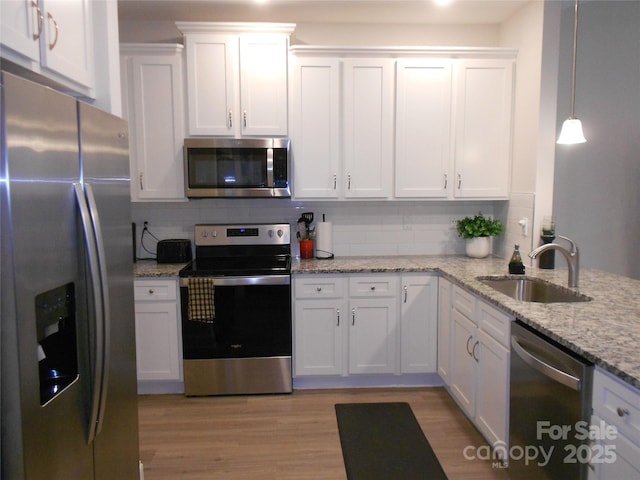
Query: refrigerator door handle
column 106, row 318
column 94, row 272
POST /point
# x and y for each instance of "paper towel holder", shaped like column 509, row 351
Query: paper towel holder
column 322, row 254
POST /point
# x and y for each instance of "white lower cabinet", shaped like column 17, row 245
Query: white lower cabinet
column 158, row 330
column 444, row 329
column 478, row 368
column 615, row 426
column 354, row 324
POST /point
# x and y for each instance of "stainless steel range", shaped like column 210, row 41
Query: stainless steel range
column 236, row 311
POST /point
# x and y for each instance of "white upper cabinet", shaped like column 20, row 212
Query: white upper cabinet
column 315, row 126
column 484, row 106
column 368, row 128
column 438, row 127
column 153, row 104
column 236, row 78
column 423, row 128
column 51, row 37
column 341, row 126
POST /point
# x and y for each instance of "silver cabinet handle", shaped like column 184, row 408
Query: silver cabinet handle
column 40, row 20
column 349, row 181
column 55, row 24
column 373, row 289
column 353, row 316
column 230, row 119
column 318, row 289
column 622, row 412
column 150, row 291
column 475, row 345
column 244, row 117
column 446, row 181
column 338, row 315
column 405, row 293
column 459, row 181
column 335, row 181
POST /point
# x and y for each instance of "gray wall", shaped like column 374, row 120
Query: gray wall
column 597, row 184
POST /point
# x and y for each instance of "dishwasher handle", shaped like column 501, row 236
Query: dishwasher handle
column 547, row 370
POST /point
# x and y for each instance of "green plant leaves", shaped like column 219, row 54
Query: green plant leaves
column 478, row 226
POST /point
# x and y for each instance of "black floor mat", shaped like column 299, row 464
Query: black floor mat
column 383, row 441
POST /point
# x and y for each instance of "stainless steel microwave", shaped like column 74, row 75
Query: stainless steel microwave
column 237, row 167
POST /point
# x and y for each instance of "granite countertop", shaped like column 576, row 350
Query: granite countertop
column 151, row 268
column 605, row 331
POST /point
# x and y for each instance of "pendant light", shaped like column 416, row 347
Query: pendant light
column 571, row 132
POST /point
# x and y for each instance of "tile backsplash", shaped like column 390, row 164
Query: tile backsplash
column 359, row 228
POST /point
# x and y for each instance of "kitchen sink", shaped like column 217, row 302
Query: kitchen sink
column 531, row 289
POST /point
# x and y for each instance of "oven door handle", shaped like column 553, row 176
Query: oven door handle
column 244, row 281
column 544, row 368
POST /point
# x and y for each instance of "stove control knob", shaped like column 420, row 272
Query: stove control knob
column 205, row 234
column 270, row 233
column 280, row 233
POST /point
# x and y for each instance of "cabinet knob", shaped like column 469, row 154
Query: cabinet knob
column 150, row 291
column 373, row 288
column 622, row 412
column 319, row 289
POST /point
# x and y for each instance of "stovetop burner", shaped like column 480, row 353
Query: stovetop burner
column 240, row 250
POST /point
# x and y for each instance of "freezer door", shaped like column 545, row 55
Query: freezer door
column 105, row 170
column 43, row 435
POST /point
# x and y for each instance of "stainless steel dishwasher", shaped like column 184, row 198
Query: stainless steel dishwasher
column 550, row 408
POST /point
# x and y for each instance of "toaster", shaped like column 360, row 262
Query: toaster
column 173, row 251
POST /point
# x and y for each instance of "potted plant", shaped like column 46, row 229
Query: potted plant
column 478, row 230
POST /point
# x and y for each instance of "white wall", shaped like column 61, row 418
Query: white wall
column 597, row 194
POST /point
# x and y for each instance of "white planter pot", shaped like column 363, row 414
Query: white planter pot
column 478, row 247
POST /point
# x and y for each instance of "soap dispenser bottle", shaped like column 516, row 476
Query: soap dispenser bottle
column 515, row 264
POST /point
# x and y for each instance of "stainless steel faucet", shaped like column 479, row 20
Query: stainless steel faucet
column 572, row 256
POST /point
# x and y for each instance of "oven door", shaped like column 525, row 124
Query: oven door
column 252, row 319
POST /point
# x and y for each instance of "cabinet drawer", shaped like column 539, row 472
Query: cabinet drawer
column 494, row 322
column 319, row 286
column 618, row 404
column 373, row 286
column 154, row 290
column 463, row 302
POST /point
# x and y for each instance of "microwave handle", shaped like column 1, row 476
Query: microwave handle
column 270, row 167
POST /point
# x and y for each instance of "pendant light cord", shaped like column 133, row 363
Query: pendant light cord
column 575, row 50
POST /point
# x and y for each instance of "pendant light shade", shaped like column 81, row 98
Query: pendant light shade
column 571, row 132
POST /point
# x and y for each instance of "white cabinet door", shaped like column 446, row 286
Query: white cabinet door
column 484, row 102
column 444, row 329
column 152, row 79
column 68, row 37
column 157, row 341
column 418, row 324
column 53, row 36
column 463, row 364
column 612, row 458
column 368, row 128
column 315, row 127
column 237, row 84
column 21, row 25
column 212, row 82
column 492, row 389
column 423, row 128
column 372, row 339
column 263, row 84
column 319, row 332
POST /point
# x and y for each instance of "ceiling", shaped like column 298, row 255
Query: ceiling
column 459, row 12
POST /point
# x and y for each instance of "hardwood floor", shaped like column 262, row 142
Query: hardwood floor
column 287, row 437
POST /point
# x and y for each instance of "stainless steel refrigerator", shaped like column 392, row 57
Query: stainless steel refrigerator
column 68, row 383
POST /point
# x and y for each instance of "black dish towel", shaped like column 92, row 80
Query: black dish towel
column 384, row 441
